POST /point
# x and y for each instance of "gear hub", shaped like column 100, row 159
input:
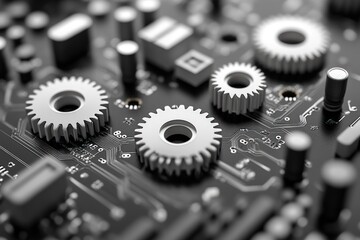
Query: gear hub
column 176, row 141
column 291, row 45
column 70, row 107
column 238, row 88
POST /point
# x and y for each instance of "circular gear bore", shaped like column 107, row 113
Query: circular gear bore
column 238, row 88
column 291, row 45
column 68, row 107
column 176, row 141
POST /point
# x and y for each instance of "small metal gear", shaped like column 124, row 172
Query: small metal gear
column 67, row 107
column 350, row 8
column 175, row 141
column 238, row 88
column 291, row 45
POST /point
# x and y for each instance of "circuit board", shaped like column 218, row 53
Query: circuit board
column 111, row 194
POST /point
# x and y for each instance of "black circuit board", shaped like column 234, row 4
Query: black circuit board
column 109, row 191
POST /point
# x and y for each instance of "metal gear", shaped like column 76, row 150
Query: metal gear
column 350, row 8
column 67, row 107
column 238, row 88
column 291, row 45
column 173, row 141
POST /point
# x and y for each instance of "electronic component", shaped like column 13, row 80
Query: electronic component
column 237, row 88
column 3, row 63
column 247, row 166
column 335, row 89
column 297, row 146
column 278, row 227
column 149, row 10
column 290, row 45
column 176, row 141
column 70, row 39
column 127, row 51
column 252, row 220
column 125, row 18
column 25, row 52
column 37, row 21
column 5, row 21
column 194, row 68
column 37, row 191
column 338, row 176
column 164, row 41
column 49, row 106
column 16, row 34
column 348, row 141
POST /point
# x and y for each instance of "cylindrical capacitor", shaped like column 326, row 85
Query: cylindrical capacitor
column 16, row 35
column 37, row 20
column 3, row 64
column 338, row 175
column 148, row 9
column 25, row 52
column 336, row 82
column 25, row 72
column 127, row 51
column 297, row 145
column 278, row 227
column 125, row 18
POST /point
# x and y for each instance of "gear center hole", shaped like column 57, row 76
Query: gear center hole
column 67, row 102
column 178, row 132
column 291, row 37
column 238, row 80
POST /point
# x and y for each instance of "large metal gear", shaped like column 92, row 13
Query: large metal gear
column 291, row 45
column 238, row 88
column 176, row 141
column 70, row 107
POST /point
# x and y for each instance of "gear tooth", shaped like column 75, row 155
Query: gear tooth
column 101, row 119
column 181, row 107
column 34, row 124
column 41, row 128
column 58, row 132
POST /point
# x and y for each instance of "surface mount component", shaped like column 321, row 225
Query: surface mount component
column 290, row 45
column 68, row 107
column 173, row 141
column 347, row 142
column 70, row 39
column 238, row 88
column 38, row 190
column 194, row 68
column 164, row 41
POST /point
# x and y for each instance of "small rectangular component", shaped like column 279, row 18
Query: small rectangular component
column 70, row 39
column 35, row 192
column 348, row 141
column 164, row 41
column 252, row 219
column 194, row 68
